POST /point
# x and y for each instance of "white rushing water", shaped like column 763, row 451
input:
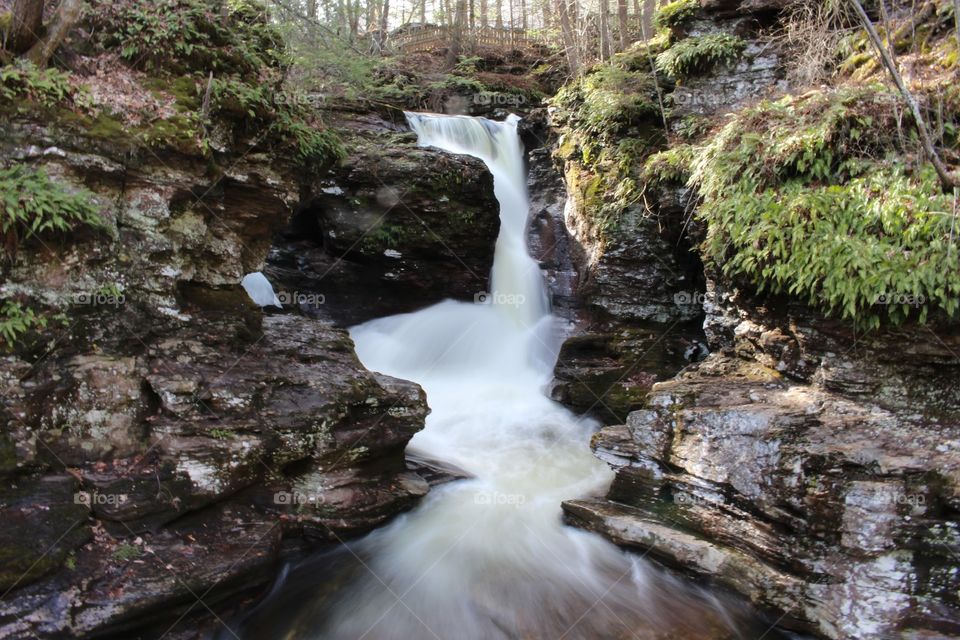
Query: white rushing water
column 489, row 557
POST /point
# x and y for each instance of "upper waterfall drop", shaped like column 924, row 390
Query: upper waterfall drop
column 516, row 284
column 487, row 557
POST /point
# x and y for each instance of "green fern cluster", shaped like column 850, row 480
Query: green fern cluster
column 31, row 203
column 700, row 54
column 22, row 80
column 806, row 197
column 671, row 166
column 606, row 100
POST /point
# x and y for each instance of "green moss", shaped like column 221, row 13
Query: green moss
column 808, row 197
column 610, row 121
column 107, row 127
column 606, row 100
column 700, row 54
column 671, row 166
column 675, row 14
column 126, row 551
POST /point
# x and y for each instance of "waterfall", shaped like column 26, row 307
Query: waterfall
column 489, row 558
column 516, row 283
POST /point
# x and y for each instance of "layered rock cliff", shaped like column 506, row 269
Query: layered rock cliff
column 805, row 463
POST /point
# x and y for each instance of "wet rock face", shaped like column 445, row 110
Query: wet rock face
column 163, row 435
column 395, row 228
column 839, row 514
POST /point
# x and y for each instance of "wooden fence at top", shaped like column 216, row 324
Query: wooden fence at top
column 429, row 37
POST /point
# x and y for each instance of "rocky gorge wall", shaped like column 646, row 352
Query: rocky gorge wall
column 166, row 442
column 801, row 463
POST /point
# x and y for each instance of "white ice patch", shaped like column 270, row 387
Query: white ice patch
column 260, row 290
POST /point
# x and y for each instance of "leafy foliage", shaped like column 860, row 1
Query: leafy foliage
column 182, row 36
column 24, row 81
column 669, row 166
column 699, row 54
column 16, row 320
column 32, row 203
column 313, row 147
column 675, row 14
column 802, row 198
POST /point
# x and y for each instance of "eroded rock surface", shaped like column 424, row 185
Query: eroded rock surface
column 162, row 436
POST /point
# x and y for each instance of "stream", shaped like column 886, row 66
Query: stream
column 489, row 557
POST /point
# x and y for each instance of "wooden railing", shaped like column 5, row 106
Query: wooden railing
column 429, row 37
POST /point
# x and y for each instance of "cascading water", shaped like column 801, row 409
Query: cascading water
column 488, row 557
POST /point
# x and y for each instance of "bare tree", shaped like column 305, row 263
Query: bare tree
column 484, row 18
column 26, row 23
column 604, row 29
column 566, row 31
column 456, row 39
column 948, row 180
column 649, row 8
column 624, row 27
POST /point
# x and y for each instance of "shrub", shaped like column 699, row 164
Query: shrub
column 700, row 54
column 32, row 203
column 313, row 147
column 675, row 14
column 803, row 197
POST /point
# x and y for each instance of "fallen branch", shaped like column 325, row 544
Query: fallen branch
column 947, row 179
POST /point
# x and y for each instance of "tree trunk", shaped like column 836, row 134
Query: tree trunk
column 569, row 42
column 649, row 8
column 484, row 18
column 499, row 7
column 548, row 14
column 26, row 23
column 384, row 23
column 456, row 39
column 624, row 27
column 312, row 9
column 604, row 29
column 67, row 16
column 423, row 12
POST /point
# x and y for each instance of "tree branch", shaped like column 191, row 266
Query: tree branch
column 948, row 180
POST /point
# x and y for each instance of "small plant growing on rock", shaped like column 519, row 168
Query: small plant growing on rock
column 16, row 320
column 31, row 203
column 24, row 81
column 700, row 54
column 126, row 551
